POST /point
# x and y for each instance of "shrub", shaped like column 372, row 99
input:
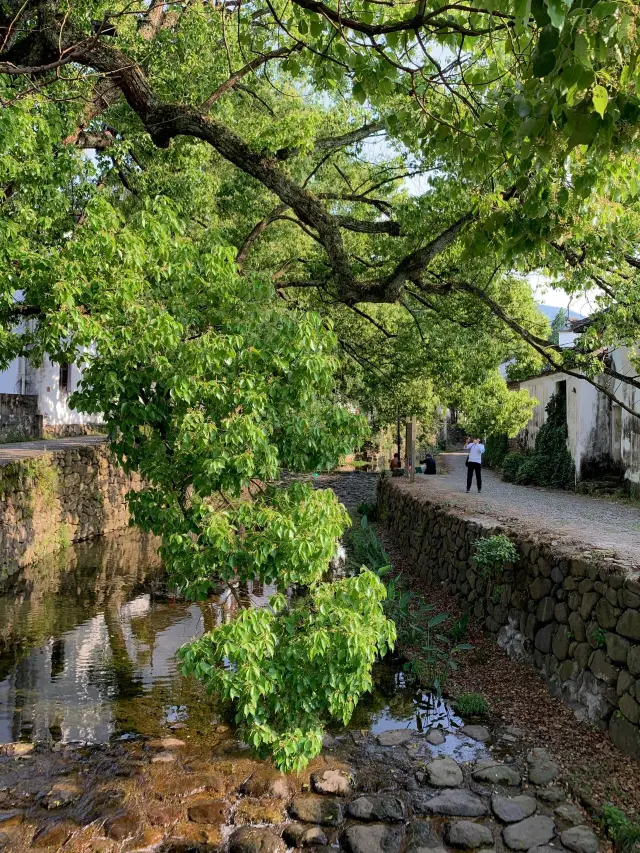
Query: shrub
column 471, row 705
column 624, row 833
column 511, row 465
column 496, row 448
column 370, row 510
column 492, row 553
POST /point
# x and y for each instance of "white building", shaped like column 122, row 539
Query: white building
column 603, row 437
column 34, row 401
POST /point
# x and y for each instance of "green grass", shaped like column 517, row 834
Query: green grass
column 624, row 832
column 471, row 705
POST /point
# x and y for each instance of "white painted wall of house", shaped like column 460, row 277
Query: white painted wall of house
column 596, row 427
column 53, row 401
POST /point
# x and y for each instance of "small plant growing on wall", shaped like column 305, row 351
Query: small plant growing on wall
column 492, row 553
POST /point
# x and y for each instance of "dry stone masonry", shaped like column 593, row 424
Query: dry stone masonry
column 575, row 615
column 58, row 498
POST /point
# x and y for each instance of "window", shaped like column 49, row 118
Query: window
column 65, row 375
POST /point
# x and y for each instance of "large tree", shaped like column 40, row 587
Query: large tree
column 247, row 214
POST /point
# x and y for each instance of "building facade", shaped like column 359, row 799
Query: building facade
column 603, row 438
column 34, row 401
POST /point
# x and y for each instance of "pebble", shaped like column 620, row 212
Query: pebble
column 531, row 832
column 444, row 773
column 455, row 803
column 580, row 839
column 479, row 733
column 395, row 737
column 466, row 833
column 512, row 809
column 375, row 838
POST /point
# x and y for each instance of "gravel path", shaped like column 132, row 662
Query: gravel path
column 32, row 449
column 592, row 522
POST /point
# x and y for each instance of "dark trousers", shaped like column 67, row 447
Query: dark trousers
column 477, row 467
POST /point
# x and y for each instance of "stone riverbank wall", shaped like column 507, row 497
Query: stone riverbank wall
column 574, row 615
column 60, row 497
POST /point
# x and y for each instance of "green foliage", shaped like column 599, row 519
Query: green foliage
column 459, row 628
column 368, row 509
column 471, row 705
column 511, row 465
column 492, row 553
column 491, row 408
column 624, row 832
column 291, row 667
column 550, row 464
column 558, row 324
column 496, row 449
column 364, row 548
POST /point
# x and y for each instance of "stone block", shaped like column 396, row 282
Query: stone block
column 630, row 708
column 625, row 735
column 602, row 668
column 606, row 614
column 617, row 647
column 629, row 624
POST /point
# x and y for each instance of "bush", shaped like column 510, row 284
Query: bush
column 511, row 465
column 496, row 448
column 624, row 833
column 550, row 464
column 471, row 705
column 492, row 553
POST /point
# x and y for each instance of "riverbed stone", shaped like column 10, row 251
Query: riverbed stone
column 467, row 833
column 266, row 782
column 62, row 794
column 13, row 817
column 512, row 809
column 530, row 832
column 302, row 835
column 374, row 838
column 435, row 737
column 395, row 737
column 569, row 813
column 456, row 803
column 479, row 733
column 165, row 743
column 316, row 808
column 495, row 773
column 208, row 811
column 629, row 624
column 444, row 773
column 378, row 807
column 251, row 839
column 123, row 825
column 54, row 834
column 264, row 810
column 580, row 839
column 542, row 769
column 331, row 782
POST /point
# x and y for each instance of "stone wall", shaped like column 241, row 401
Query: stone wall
column 60, row 497
column 19, row 417
column 574, row 615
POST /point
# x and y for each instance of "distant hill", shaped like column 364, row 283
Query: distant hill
column 551, row 312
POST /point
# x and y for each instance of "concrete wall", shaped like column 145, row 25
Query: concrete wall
column 575, row 616
column 57, row 498
column 19, row 417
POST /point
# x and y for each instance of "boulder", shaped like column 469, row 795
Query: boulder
column 208, row 811
column 395, row 737
column 479, row 733
column 251, row 839
column 331, row 782
column 629, row 624
column 435, row 737
column 312, row 808
column 625, row 735
column 569, row 813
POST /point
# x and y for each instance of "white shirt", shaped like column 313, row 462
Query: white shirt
column 475, row 452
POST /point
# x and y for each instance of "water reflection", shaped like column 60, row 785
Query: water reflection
column 88, row 642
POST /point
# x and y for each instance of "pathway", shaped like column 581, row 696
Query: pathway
column 32, row 449
column 592, row 522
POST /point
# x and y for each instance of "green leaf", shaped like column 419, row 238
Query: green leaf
column 600, row 99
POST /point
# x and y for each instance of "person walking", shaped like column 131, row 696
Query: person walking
column 474, row 462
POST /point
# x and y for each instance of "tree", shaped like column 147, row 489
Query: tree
column 559, row 322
